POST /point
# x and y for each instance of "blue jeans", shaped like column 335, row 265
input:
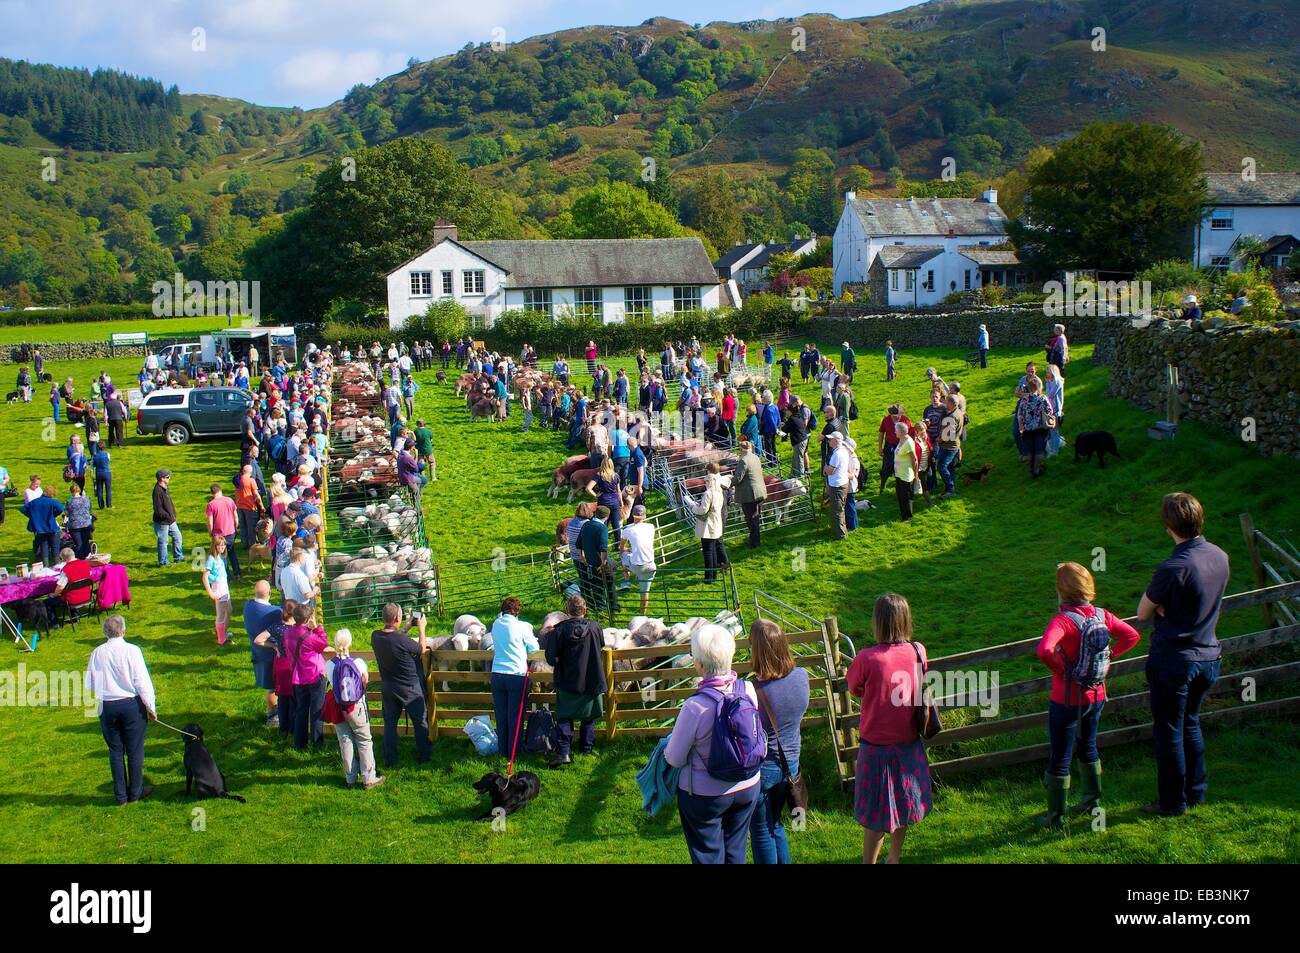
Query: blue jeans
column 945, row 459
column 715, row 827
column 104, row 489
column 509, row 696
column 308, row 700
column 162, row 531
column 767, row 839
column 124, row 723
column 1178, row 686
column 1065, row 723
column 850, row 513
column 984, row 357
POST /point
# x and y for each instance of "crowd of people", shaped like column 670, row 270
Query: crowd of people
column 729, row 801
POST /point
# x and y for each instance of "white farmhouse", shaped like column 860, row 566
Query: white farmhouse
column 610, row 279
column 1267, row 207
column 914, row 252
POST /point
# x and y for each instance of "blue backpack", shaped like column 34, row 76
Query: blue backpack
column 739, row 741
column 349, row 687
column 1091, row 667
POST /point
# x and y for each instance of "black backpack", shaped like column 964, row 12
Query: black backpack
column 537, row 736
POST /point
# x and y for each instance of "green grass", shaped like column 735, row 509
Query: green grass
column 978, row 571
column 102, row 331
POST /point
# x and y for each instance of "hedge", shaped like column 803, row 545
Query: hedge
column 761, row 315
column 78, row 315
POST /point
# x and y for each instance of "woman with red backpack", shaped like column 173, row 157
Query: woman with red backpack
column 719, row 744
column 347, row 677
column 1076, row 646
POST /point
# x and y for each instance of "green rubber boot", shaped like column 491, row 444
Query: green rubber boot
column 1057, row 790
column 1090, row 782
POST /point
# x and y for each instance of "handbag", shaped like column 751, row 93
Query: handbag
column 926, row 713
column 791, row 791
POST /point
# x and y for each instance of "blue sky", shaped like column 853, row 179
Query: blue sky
column 309, row 52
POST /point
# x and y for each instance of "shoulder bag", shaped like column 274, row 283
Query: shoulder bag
column 926, row 712
column 791, row 791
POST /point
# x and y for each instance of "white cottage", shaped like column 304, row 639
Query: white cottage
column 610, row 279
column 914, row 252
column 1267, row 207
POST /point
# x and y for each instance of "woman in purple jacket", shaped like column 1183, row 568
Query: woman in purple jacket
column 715, row 814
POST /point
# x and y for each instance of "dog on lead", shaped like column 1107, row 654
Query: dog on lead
column 202, row 776
column 1100, row 442
column 981, row 474
column 507, row 794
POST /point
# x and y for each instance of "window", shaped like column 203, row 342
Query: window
column 686, row 298
column 471, row 282
column 929, row 280
column 208, row 399
column 537, row 299
column 966, row 286
column 589, row 302
column 1221, row 262
column 893, row 280
column 911, row 280
column 448, row 288
column 166, row 400
column 421, row 284
column 636, row 300
column 1221, row 219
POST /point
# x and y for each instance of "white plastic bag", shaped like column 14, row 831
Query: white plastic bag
column 482, row 734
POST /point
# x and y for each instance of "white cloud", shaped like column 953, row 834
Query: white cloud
column 328, row 71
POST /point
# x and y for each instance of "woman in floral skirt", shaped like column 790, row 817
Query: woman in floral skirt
column 892, row 790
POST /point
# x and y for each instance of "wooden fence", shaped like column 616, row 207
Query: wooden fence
column 967, row 666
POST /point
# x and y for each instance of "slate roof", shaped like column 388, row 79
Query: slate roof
column 777, row 248
column 1269, row 188
column 907, row 256
column 988, row 256
column 884, row 217
column 734, row 254
column 578, row 263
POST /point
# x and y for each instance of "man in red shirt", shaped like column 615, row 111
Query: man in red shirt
column 221, row 522
column 888, row 441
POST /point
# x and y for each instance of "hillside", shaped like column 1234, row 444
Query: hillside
column 542, row 120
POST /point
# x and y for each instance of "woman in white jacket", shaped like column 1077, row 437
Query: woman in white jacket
column 710, row 514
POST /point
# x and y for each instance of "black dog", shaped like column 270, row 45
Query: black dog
column 980, row 474
column 13, row 397
column 201, row 770
column 1100, row 442
column 508, row 794
column 46, row 378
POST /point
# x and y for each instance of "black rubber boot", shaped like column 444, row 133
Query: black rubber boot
column 1057, row 790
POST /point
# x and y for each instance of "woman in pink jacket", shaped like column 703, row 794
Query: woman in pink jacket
column 1075, row 708
column 303, row 644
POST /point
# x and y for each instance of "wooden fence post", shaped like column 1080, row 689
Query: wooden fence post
column 607, row 658
column 833, row 637
column 1256, row 564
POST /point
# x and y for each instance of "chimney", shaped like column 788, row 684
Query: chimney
column 850, row 196
column 444, row 229
column 991, row 196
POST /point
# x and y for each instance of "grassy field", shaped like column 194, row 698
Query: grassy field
column 978, row 571
column 40, row 333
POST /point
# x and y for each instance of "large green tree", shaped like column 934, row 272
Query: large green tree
column 1117, row 197
column 617, row 210
column 710, row 207
column 363, row 220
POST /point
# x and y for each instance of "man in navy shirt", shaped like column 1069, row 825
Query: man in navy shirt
column 594, row 571
column 1182, row 602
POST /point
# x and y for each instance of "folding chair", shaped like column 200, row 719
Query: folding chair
column 75, row 603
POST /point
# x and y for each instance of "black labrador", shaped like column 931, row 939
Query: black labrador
column 1100, row 442
column 508, row 794
column 201, row 772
